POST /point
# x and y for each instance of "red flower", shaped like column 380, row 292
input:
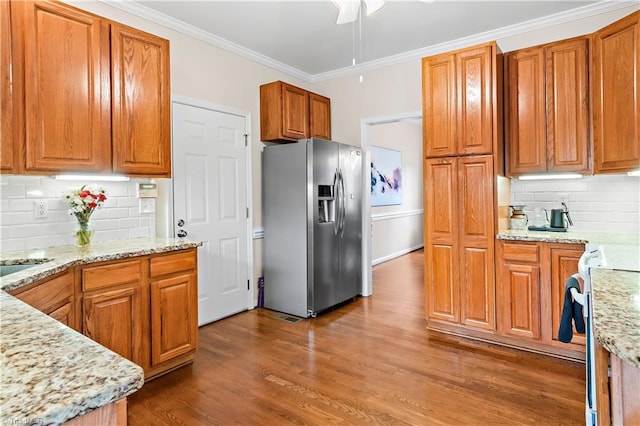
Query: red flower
column 93, row 205
column 84, row 193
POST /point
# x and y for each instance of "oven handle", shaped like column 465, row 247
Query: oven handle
column 577, row 296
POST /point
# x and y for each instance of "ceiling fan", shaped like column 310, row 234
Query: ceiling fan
column 348, row 10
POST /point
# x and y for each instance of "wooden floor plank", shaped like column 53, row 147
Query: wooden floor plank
column 371, row 361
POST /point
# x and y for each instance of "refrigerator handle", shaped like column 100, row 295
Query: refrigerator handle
column 343, row 204
column 336, row 224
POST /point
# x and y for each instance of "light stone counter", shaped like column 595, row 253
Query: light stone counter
column 50, row 373
column 56, row 259
column 569, row 237
column 616, row 312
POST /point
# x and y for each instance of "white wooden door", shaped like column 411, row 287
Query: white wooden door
column 210, row 204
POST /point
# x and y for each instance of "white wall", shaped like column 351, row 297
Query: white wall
column 118, row 218
column 397, row 229
column 205, row 72
column 602, row 203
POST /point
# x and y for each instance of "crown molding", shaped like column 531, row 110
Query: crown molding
column 181, row 27
column 512, row 30
column 509, row 31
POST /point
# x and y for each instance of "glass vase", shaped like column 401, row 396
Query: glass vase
column 83, row 233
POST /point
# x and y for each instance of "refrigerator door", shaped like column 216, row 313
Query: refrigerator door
column 351, row 234
column 323, row 248
column 284, row 215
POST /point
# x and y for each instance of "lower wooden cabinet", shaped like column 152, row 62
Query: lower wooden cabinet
column 563, row 263
column 54, row 296
column 617, row 385
column 518, row 290
column 530, row 291
column 174, row 293
column 144, row 309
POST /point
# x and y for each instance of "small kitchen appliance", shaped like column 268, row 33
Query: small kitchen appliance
column 556, row 220
column 518, row 219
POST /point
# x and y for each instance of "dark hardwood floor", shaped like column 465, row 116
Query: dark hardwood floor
column 370, row 361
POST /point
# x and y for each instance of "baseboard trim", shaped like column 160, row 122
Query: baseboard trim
column 396, row 215
column 396, row 254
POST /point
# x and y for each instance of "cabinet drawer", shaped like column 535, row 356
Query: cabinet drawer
column 49, row 295
column 110, row 275
column 168, row 264
column 521, row 252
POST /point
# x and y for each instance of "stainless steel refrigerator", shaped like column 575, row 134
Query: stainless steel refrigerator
column 312, row 217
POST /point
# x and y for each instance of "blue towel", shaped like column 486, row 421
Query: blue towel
column 571, row 311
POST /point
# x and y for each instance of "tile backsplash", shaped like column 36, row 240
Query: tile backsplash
column 602, row 203
column 118, row 218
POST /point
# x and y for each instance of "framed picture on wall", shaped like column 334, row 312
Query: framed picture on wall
column 386, row 177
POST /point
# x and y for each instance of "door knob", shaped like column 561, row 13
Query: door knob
column 181, row 222
column 182, row 233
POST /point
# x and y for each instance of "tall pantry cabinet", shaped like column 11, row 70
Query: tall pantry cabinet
column 462, row 144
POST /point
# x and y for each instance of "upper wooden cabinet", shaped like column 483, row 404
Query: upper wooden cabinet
column 616, row 96
column 319, row 116
column 547, row 118
column 141, row 102
column 8, row 148
column 289, row 113
column 96, row 94
column 460, row 102
column 66, row 87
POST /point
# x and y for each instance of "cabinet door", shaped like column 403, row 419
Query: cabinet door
column 439, row 105
column 66, row 87
column 295, row 112
column 519, row 296
column 476, row 241
column 475, row 76
column 8, row 127
column 564, row 263
column 319, row 117
column 54, row 296
column 113, row 317
column 616, row 96
column 64, row 314
column 567, row 106
column 525, row 112
column 141, row 103
column 442, row 255
column 174, row 319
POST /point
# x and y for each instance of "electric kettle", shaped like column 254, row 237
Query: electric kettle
column 557, row 217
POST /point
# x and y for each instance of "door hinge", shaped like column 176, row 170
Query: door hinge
column 247, row 212
column 246, row 140
column 248, row 286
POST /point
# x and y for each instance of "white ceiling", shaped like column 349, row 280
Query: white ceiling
column 301, row 37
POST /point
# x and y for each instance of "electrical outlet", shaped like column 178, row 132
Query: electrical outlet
column 40, row 209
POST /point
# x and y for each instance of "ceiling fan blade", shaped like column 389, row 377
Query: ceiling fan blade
column 373, row 6
column 348, row 10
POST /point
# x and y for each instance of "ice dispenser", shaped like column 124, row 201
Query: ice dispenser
column 326, row 206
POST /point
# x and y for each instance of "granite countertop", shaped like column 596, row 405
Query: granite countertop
column 56, row 259
column 616, row 312
column 49, row 372
column 569, row 237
